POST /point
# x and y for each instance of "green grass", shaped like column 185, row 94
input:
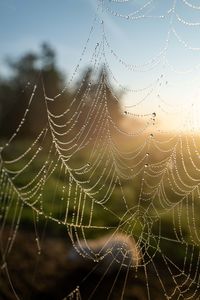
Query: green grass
column 54, row 201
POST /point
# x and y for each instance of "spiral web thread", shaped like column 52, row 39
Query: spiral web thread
column 165, row 165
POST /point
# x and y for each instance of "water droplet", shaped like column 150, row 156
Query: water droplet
column 154, row 114
column 146, row 165
column 125, row 112
column 151, row 135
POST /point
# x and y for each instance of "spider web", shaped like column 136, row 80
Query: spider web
column 151, row 227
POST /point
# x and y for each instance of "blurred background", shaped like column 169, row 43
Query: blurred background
column 99, row 158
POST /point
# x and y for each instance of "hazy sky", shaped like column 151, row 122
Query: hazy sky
column 138, row 31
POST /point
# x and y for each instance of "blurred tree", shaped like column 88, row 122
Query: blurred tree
column 114, row 107
column 41, row 68
column 24, row 69
column 91, row 89
column 15, row 91
column 52, row 76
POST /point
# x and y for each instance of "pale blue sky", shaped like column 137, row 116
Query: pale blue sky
column 65, row 24
column 26, row 24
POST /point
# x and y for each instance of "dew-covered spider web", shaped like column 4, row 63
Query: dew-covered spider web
column 118, row 165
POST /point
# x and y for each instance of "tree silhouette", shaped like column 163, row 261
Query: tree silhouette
column 16, row 90
column 40, row 68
